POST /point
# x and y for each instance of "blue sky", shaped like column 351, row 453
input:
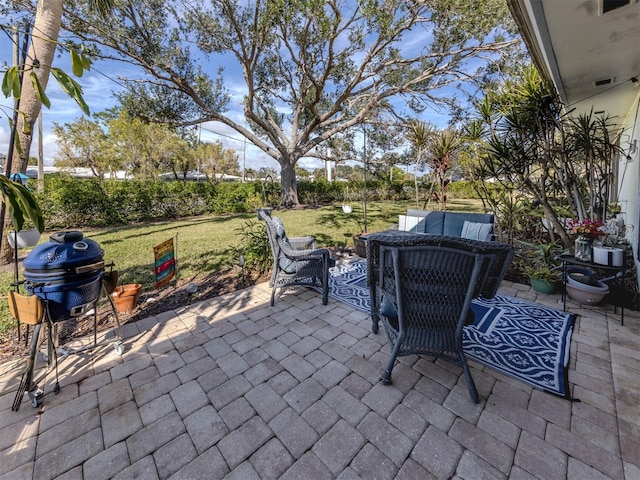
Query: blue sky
column 101, row 82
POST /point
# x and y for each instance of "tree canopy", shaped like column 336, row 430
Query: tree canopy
column 310, row 69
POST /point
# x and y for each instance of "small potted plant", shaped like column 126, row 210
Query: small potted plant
column 543, row 279
column 544, row 275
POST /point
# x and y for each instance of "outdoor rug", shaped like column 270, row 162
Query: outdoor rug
column 522, row 340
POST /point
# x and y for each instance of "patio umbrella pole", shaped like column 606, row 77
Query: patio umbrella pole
column 364, row 192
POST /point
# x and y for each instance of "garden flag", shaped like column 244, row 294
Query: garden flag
column 165, row 264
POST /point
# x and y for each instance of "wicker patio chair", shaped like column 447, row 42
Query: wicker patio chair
column 497, row 258
column 296, row 260
column 426, row 294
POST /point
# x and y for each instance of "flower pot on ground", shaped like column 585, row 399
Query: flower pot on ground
column 586, row 288
column 543, row 279
column 126, row 297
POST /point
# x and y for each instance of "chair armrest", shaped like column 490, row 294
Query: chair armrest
column 303, row 243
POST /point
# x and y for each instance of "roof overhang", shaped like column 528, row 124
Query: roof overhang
column 591, row 57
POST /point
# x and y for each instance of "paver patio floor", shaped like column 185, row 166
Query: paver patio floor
column 234, row 388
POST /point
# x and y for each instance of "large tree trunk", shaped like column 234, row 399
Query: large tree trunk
column 44, row 36
column 289, row 183
column 42, row 48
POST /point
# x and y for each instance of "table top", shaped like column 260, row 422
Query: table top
column 568, row 258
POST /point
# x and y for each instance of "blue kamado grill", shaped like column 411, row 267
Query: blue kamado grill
column 66, row 272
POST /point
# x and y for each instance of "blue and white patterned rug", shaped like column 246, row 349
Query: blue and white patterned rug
column 522, row 340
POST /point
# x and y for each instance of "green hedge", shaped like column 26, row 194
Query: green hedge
column 69, row 202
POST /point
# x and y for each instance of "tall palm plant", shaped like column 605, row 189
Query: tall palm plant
column 441, row 150
column 418, row 136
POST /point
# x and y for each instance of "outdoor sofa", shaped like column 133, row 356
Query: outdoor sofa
column 472, row 226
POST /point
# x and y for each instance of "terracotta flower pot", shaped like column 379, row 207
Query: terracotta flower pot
column 126, row 297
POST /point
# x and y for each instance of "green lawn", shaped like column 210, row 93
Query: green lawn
column 206, row 244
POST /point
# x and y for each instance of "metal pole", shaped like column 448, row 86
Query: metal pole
column 40, row 156
column 364, row 192
column 244, row 159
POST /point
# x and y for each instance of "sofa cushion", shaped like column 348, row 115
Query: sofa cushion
column 476, row 231
column 407, row 222
column 454, row 221
column 432, row 222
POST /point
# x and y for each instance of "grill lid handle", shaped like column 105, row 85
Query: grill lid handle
column 67, row 236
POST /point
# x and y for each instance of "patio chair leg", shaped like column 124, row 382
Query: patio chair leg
column 273, row 294
column 385, row 379
column 473, row 391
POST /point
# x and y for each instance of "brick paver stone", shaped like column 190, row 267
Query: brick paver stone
column 490, row 449
column 244, row 471
column 174, row 455
column 539, row 458
column 151, row 438
column 144, row 468
column 338, row 446
column 472, row 466
column 266, row 401
column 407, row 421
column 155, row 388
column 345, row 405
column 193, row 370
column 66, row 431
column 131, row 366
column 516, row 415
column 67, row 410
column 120, row 422
column 321, row 417
column 209, row 464
column 114, row 394
column 372, row 463
column 229, row 391
column 304, row 395
column 585, row 451
column 263, row 371
column 294, row 433
column 188, row 398
column 205, row 427
column 143, row 376
column 411, row 470
column 387, row 438
column 309, row 466
column 217, row 348
column 68, row 455
column 241, row 443
column 18, row 454
column 437, row 453
column 271, row 460
column 108, row 463
column 232, row 364
column 298, row 367
column 156, row 409
column 499, row 428
column 431, row 411
column 168, row 362
column 236, row 413
column 331, row 374
column 382, row 399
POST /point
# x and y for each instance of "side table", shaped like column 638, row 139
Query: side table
column 568, row 260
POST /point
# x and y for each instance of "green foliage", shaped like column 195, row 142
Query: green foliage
column 21, row 204
column 254, row 246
